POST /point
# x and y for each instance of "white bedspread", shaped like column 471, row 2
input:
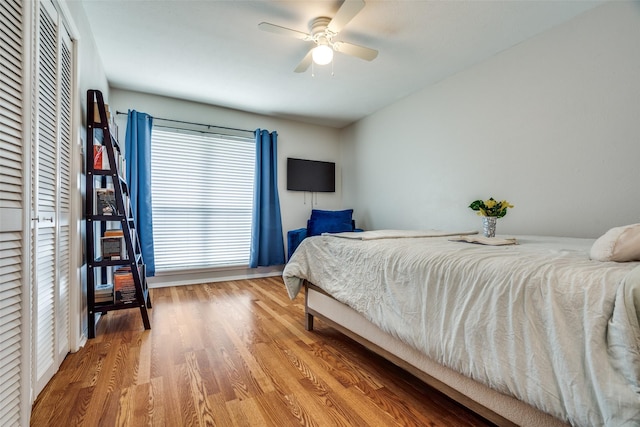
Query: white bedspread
column 537, row 320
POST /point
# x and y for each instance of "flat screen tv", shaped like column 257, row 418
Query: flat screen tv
column 311, row 175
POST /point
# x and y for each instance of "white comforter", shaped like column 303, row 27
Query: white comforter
column 537, row 320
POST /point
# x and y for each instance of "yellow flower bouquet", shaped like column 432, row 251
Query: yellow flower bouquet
column 491, row 207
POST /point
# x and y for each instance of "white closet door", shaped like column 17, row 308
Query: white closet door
column 64, row 194
column 51, row 196
column 14, row 378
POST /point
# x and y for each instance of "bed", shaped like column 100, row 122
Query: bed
column 535, row 333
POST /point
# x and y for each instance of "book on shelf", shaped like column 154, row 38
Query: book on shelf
column 106, row 201
column 113, row 246
column 122, row 166
column 96, row 112
column 103, row 293
column 113, row 232
column 111, row 120
column 100, row 157
column 113, row 127
column 123, row 285
column 101, row 160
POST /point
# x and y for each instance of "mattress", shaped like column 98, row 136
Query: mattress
column 538, row 321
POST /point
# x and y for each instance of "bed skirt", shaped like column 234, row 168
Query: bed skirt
column 496, row 407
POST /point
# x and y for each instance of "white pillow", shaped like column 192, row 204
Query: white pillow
column 620, row 244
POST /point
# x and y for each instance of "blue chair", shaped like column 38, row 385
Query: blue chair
column 321, row 222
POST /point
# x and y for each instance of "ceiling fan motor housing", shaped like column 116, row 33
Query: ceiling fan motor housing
column 319, row 31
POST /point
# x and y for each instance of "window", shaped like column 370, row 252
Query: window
column 202, row 199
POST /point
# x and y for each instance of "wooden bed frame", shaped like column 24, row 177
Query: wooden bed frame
column 496, row 407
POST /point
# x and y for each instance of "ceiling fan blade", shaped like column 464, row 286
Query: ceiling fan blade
column 265, row 26
column 304, row 64
column 355, row 50
column 346, row 13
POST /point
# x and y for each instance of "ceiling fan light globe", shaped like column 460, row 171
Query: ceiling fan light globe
column 322, row 55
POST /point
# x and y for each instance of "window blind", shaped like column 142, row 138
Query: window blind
column 202, row 199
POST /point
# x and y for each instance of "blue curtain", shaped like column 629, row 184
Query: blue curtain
column 138, row 157
column 267, row 243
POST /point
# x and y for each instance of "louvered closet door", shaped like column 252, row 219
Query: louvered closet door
column 51, row 196
column 64, row 194
column 14, row 377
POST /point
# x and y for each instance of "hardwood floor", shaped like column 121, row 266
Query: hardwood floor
column 234, row 354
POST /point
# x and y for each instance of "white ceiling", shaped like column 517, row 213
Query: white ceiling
column 213, row 52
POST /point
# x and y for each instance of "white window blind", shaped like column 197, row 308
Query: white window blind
column 202, row 198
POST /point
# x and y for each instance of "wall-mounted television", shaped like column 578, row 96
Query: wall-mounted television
column 311, row 175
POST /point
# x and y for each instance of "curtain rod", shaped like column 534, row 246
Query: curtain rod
column 196, row 124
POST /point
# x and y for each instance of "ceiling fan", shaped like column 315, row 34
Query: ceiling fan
column 323, row 32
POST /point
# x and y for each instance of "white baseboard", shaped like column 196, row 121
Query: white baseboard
column 215, row 275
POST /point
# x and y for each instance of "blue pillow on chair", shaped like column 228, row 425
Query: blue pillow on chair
column 343, row 216
column 329, row 222
column 315, row 227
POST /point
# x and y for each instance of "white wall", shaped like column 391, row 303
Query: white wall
column 552, row 125
column 294, row 140
column 89, row 75
column 90, row 69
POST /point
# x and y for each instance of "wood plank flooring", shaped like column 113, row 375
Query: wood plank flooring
column 234, row 354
